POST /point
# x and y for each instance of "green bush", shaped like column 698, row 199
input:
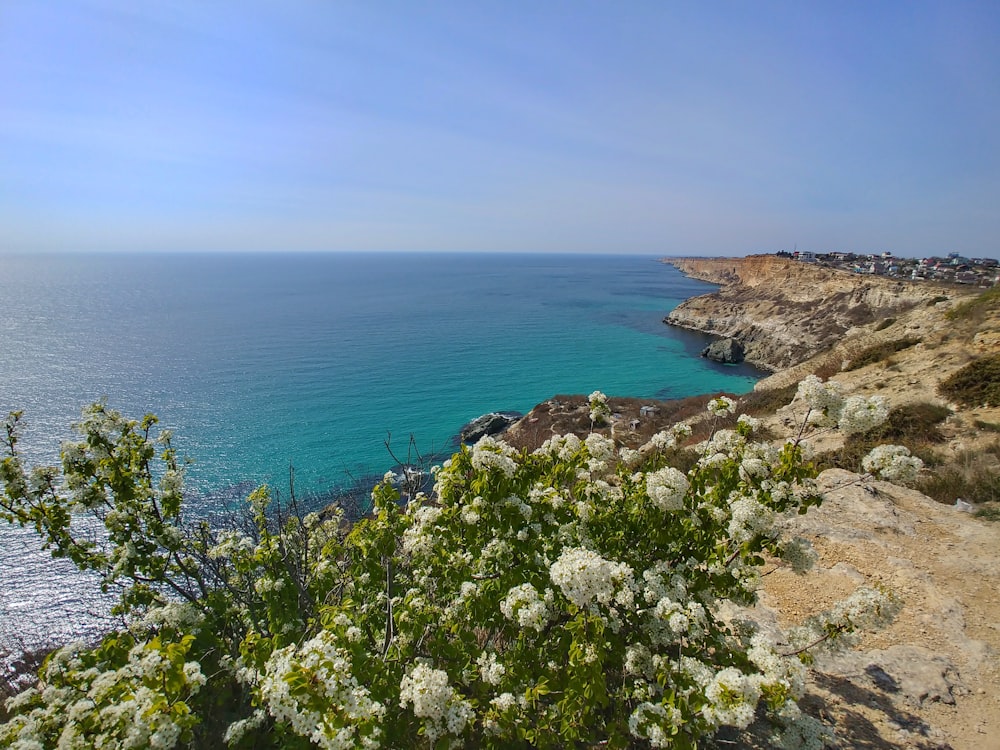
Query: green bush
column 976, row 384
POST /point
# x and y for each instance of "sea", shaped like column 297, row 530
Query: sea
column 264, row 364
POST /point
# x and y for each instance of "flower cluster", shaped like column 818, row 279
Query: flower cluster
column 722, row 406
column 434, row 700
column 893, row 463
column 82, row 701
column 667, row 488
column 824, row 400
column 585, row 577
column 489, row 454
column 599, row 409
column 340, row 713
column 524, row 606
column 859, row 414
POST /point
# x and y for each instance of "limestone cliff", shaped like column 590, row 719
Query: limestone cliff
column 784, row 311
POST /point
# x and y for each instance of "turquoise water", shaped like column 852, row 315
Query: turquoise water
column 258, row 361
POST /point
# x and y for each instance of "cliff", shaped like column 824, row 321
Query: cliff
column 782, row 311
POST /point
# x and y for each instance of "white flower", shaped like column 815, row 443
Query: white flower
column 666, row 488
column 650, row 721
column 824, row 400
column 494, row 454
column 893, row 463
column 749, row 518
column 733, row 696
column 563, row 447
column 491, row 670
column 433, row 699
column 860, row 414
column 524, row 606
column 721, row 406
column 599, row 409
column 584, row 576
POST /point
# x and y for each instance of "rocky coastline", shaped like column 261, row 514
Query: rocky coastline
column 782, row 312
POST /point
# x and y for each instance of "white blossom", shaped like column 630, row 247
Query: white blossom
column 524, row 606
column 893, row 463
column 490, row 454
column 859, row 414
column 649, row 720
column 825, row 400
column 433, row 699
column 599, row 409
column 491, row 670
column 584, row 576
column 721, row 406
column 666, row 488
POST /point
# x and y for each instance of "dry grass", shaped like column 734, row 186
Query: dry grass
column 879, row 352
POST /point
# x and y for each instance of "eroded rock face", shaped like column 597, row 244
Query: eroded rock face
column 784, row 311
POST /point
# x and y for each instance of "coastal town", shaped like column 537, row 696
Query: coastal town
column 953, row 268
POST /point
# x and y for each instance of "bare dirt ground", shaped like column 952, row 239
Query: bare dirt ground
column 932, row 679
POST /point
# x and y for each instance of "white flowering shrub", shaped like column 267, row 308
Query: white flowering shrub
column 599, row 409
column 568, row 597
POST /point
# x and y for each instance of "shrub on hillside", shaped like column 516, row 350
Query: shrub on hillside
column 879, row 352
column 973, row 476
column 757, row 403
column 977, row 307
column 914, row 425
column 976, row 384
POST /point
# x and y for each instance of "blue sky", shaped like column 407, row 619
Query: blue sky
column 715, row 128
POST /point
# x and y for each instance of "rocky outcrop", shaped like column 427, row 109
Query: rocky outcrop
column 489, row 424
column 784, row 311
column 726, row 351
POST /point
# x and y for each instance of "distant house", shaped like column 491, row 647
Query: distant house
column 647, row 411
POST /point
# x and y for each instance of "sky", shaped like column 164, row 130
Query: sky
column 674, row 128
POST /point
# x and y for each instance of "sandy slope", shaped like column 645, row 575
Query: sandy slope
column 932, row 679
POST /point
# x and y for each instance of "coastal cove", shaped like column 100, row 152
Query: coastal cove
column 258, row 362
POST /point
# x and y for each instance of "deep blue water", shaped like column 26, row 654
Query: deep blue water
column 259, row 361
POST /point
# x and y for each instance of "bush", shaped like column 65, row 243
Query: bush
column 974, row 309
column 973, row 476
column 976, row 384
column 757, row 403
column 915, row 426
column 879, row 352
column 560, row 598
